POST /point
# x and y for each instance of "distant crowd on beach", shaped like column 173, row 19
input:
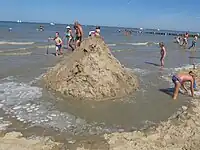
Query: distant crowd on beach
column 73, row 38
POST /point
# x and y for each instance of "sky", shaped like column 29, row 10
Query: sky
column 159, row 14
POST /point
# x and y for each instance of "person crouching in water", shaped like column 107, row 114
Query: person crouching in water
column 162, row 53
column 58, row 44
column 179, row 81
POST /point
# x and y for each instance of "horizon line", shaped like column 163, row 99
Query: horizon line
column 38, row 22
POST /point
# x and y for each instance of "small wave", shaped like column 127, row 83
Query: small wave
column 15, row 43
column 111, row 45
column 138, row 44
column 141, row 72
column 46, row 46
column 184, row 67
column 15, row 54
column 135, row 44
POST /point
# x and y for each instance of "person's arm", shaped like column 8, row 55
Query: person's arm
column 61, row 42
column 192, row 88
column 183, row 86
column 71, row 33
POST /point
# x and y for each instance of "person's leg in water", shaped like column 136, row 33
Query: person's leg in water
column 57, row 49
column 176, row 89
column 78, row 41
column 162, row 61
column 192, row 46
column 70, row 45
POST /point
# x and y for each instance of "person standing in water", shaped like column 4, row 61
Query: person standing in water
column 96, row 32
column 162, row 53
column 185, row 39
column 180, row 79
column 194, row 42
column 69, row 37
column 58, row 44
column 79, row 33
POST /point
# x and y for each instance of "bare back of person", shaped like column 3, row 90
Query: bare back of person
column 79, row 33
column 180, row 79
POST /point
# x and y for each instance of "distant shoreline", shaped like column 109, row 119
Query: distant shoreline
column 167, row 30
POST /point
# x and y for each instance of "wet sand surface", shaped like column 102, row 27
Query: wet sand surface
column 150, row 105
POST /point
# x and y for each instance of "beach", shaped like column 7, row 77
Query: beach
column 29, row 108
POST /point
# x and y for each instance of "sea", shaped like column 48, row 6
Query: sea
column 25, row 104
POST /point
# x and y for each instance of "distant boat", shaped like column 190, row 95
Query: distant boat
column 52, row 24
column 19, row 21
column 158, row 29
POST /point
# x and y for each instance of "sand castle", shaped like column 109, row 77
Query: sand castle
column 91, row 71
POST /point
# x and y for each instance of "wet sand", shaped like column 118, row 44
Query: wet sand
column 148, row 106
column 181, row 131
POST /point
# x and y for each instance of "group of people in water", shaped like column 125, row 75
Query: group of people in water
column 73, row 40
column 183, row 40
column 180, row 79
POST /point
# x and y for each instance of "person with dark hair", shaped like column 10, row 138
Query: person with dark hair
column 96, row 32
column 179, row 80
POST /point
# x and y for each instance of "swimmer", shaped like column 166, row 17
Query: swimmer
column 162, row 53
column 10, row 29
column 194, row 42
column 179, row 81
column 58, row 44
column 79, row 33
column 69, row 37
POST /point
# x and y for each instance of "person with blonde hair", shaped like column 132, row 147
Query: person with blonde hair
column 79, row 33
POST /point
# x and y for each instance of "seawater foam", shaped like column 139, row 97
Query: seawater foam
column 134, row 44
column 141, row 72
column 13, row 93
column 111, row 45
column 15, row 43
column 23, row 102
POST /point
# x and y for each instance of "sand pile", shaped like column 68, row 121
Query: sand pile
column 91, row 72
column 15, row 141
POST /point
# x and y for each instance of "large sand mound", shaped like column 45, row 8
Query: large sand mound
column 91, row 72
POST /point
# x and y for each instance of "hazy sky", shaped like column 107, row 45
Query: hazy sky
column 168, row 14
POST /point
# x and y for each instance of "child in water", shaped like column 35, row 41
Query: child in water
column 162, row 53
column 194, row 42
